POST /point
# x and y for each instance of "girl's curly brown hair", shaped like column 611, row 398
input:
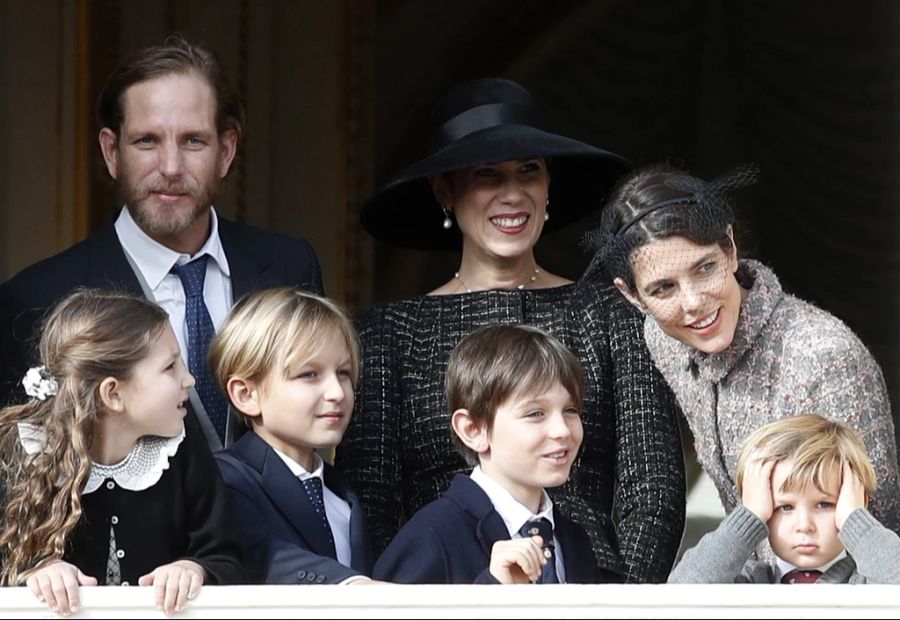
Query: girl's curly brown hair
column 89, row 336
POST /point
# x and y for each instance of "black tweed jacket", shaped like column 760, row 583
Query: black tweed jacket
column 627, row 487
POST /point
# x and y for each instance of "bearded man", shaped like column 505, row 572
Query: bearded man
column 171, row 127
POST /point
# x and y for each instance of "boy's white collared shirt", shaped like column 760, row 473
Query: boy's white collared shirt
column 515, row 515
column 782, row 567
column 337, row 511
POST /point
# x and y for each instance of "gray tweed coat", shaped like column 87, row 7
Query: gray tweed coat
column 787, row 357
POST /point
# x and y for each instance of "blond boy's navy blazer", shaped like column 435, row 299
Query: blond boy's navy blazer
column 284, row 539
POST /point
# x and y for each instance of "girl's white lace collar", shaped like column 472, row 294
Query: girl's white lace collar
column 140, row 470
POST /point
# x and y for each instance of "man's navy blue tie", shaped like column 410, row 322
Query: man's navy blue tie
column 544, row 529
column 313, row 488
column 200, row 332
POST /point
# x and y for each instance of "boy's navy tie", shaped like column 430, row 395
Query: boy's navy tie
column 200, row 332
column 543, row 528
column 313, row 488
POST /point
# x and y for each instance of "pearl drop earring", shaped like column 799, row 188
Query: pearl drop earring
column 448, row 223
column 546, row 206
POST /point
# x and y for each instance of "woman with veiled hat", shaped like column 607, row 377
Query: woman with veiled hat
column 737, row 350
column 493, row 180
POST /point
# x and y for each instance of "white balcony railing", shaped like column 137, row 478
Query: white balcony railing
column 549, row 601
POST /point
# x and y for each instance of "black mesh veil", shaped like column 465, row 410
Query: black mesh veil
column 656, row 204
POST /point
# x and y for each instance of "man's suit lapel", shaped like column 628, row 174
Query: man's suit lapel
column 286, row 492
column 251, row 266
column 107, row 265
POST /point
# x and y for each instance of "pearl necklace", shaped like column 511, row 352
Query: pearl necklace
column 532, row 278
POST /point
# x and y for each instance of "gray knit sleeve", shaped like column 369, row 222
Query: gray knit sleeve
column 721, row 555
column 874, row 548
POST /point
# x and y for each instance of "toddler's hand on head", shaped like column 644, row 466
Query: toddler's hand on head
column 56, row 584
column 756, row 491
column 175, row 583
column 517, row 561
column 851, row 496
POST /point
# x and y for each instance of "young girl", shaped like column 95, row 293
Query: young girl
column 102, row 484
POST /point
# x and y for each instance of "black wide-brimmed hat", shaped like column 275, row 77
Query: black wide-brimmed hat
column 487, row 121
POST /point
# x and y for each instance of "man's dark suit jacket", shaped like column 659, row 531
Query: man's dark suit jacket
column 257, row 259
column 449, row 541
column 284, row 539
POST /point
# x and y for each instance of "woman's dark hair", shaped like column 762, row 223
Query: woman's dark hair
column 659, row 202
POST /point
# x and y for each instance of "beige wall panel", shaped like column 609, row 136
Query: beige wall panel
column 285, row 60
column 36, row 78
column 305, row 154
column 261, row 127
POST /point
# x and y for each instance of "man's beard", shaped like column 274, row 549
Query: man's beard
column 160, row 219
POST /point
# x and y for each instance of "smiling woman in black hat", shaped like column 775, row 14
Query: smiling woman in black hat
column 492, row 181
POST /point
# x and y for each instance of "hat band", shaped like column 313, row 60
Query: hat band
column 483, row 117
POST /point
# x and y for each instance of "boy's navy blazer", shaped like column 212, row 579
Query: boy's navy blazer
column 449, row 540
column 284, row 539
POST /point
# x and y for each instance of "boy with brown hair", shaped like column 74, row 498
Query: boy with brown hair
column 515, row 396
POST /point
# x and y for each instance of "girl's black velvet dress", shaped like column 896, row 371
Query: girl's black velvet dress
column 183, row 515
